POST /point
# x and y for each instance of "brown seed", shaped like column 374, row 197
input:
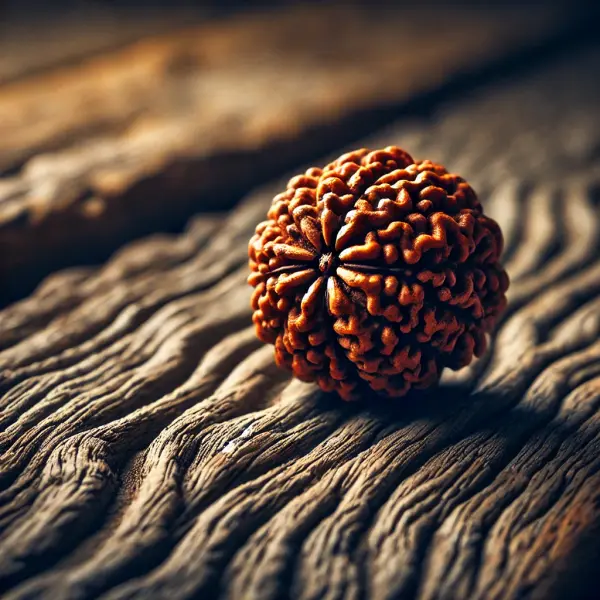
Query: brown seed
column 376, row 272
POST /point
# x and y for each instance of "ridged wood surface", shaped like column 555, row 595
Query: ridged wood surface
column 150, row 448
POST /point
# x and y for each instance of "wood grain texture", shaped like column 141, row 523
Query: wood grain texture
column 90, row 151
column 150, row 448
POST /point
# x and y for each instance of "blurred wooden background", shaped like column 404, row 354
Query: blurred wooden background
column 91, row 146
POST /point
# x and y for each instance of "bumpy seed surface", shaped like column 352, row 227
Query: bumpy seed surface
column 375, row 273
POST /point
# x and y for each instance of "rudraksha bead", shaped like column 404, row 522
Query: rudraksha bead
column 375, row 273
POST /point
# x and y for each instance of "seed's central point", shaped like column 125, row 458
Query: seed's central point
column 327, row 263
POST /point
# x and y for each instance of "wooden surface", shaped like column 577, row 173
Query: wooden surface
column 32, row 41
column 150, row 448
column 89, row 151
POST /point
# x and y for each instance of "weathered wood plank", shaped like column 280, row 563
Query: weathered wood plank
column 151, row 449
column 91, row 151
column 33, row 40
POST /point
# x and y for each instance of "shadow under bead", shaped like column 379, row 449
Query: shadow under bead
column 376, row 272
